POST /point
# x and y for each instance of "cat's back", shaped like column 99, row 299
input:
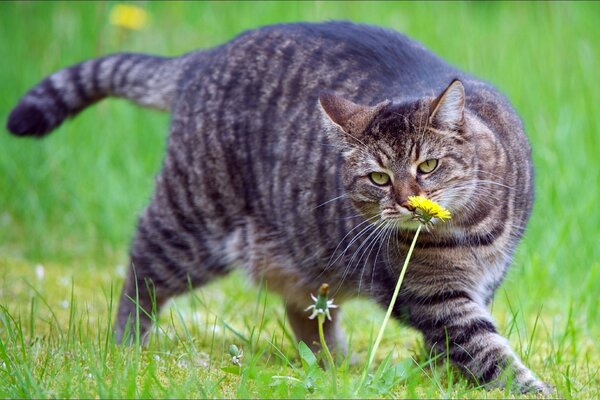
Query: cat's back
column 283, row 68
column 286, row 66
column 366, row 62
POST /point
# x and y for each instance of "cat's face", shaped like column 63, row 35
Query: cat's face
column 393, row 151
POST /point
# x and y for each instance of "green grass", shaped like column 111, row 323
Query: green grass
column 70, row 202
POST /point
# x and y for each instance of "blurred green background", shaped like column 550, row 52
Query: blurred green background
column 73, row 198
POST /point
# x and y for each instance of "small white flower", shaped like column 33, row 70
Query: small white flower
column 322, row 303
column 197, row 317
column 202, row 360
column 39, row 271
column 316, row 310
column 120, row 270
column 156, row 357
column 64, row 304
column 237, row 360
column 64, row 281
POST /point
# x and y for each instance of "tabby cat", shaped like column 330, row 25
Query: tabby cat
column 292, row 151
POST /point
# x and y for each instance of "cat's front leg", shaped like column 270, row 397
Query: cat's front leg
column 453, row 321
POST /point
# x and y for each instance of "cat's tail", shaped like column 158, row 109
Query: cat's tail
column 146, row 80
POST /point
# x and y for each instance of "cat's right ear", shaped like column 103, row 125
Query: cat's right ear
column 449, row 108
column 348, row 117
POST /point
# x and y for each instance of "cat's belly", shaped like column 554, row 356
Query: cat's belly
column 257, row 250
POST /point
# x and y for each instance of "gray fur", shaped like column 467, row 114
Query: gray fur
column 260, row 174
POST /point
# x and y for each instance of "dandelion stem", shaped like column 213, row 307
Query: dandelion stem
column 389, row 310
column 321, row 320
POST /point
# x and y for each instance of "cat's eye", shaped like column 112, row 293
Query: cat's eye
column 427, row 166
column 379, row 178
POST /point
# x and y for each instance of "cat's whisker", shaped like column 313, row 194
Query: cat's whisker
column 481, row 171
column 368, row 230
column 478, row 182
column 481, row 193
column 329, row 201
column 474, row 189
column 367, row 246
column 460, row 195
column 391, row 232
column 328, row 144
column 358, row 215
column 366, row 263
column 487, row 198
column 490, row 182
column 356, row 252
column 384, row 230
column 365, row 232
column 391, row 229
column 370, row 225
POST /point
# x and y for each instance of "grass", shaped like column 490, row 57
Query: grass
column 68, row 206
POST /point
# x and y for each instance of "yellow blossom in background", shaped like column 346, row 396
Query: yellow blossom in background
column 128, row 16
column 426, row 209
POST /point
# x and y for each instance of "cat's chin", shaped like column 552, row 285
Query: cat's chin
column 402, row 223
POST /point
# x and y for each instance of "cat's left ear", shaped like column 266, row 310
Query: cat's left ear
column 448, row 110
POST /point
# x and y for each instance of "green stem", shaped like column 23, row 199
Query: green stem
column 390, row 308
column 321, row 320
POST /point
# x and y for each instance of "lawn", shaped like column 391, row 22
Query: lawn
column 68, row 206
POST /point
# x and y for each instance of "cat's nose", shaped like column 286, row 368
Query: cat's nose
column 405, row 204
column 402, row 191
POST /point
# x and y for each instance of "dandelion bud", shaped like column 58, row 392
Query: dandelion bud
column 234, row 351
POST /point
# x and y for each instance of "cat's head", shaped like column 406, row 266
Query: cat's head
column 395, row 150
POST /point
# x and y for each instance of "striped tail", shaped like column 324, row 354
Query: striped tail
column 146, row 80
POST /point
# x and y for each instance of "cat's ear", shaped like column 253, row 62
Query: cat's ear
column 448, row 110
column 347, row 116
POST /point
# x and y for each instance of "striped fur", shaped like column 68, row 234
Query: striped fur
column 147, row 80
column 263, row 174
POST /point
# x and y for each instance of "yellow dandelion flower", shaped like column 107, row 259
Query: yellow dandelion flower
column 128, row 16
column 426, row 210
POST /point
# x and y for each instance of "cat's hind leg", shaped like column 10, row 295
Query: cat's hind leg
column 143, row 295
column 167, row 259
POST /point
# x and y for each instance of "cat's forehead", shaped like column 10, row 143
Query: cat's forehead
column 399, row 127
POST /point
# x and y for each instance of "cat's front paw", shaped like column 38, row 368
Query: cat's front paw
column 538, row 387
column 528, row 387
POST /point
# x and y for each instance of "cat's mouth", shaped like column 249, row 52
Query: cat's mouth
column 401, row 218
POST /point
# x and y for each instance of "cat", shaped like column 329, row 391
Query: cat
column 292, row 151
